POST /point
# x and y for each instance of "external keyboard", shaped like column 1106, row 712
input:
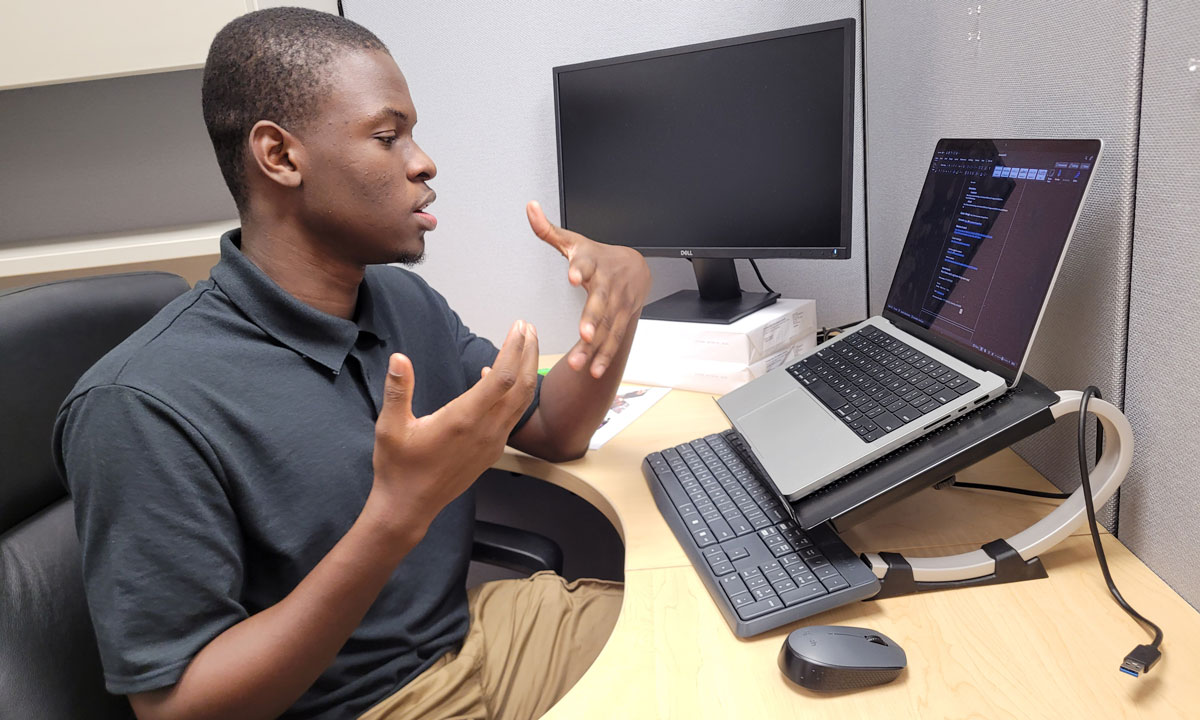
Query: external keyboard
column 760, row 568
column 876, row 383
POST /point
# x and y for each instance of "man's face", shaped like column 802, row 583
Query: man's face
column 365, row 184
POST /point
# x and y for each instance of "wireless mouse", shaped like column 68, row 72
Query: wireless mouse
column 829, row 658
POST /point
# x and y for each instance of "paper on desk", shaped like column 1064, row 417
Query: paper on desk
column 629, row 403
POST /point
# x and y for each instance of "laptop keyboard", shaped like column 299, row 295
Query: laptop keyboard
column 760, row 568
column 876, row 383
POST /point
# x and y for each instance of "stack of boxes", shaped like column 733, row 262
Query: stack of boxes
column 717, row 358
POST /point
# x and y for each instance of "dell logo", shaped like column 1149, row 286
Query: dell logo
column 685, row 253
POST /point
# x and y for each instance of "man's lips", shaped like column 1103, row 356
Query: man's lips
column 425, row 218
column 429, row 222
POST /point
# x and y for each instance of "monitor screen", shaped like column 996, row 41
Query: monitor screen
column 986, row 241
column 738, row 148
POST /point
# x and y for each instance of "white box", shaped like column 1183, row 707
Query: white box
column 711, row 376
column 749, row 340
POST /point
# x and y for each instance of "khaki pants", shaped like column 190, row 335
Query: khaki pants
column 529, row 641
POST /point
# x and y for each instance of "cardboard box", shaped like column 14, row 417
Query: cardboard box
column 711, row 376
column 752, row 339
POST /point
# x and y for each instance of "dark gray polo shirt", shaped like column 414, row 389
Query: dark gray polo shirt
column 221, row 451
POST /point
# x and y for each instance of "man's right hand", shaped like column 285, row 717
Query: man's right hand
column 422, row 464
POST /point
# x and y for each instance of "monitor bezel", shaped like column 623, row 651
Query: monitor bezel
column 843, row 251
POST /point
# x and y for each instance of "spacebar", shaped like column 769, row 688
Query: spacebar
column 825, row 394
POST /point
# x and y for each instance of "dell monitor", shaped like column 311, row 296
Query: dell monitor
column 739, row 148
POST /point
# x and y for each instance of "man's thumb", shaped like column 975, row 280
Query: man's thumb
column 398, row 390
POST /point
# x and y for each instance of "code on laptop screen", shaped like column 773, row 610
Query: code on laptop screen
column 986, row 240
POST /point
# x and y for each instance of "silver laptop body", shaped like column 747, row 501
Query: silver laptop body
column 987, row 240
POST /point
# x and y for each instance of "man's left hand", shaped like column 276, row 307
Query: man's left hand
column 617, row 281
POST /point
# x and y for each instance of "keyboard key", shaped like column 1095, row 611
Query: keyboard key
column 929, row 406
column 907, row 414
column 827, row 395
column 802, row 593
column 887, row 422
column 737, row 553
column 762, row 593
column 703, row 538
column 762, row 607
column 777, row 514
column 694, row 522
column 733, row 585
column 825, row 571
column 784, row 585
column 723, row 568
column 775, row 576
column 760, row 521
column 804, row 577
column 817, row 563
column 756, row 582
column 742, row 600
column 788, row 560
column 834, row 582
column 741, row 527
column 721, row 530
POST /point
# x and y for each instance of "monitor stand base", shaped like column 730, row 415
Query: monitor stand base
column 688, row 306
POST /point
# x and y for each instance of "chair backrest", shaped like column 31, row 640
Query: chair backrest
column 49, row 336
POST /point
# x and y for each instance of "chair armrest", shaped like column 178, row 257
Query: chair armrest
column 515, row 549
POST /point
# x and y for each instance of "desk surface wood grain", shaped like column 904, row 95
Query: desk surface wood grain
column 1043, row 648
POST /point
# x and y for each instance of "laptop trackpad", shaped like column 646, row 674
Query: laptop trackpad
column 797, row 440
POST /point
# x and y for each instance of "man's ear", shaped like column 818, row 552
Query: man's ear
column 277, row 154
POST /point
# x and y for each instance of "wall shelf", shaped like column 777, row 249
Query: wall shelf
column 95, row 251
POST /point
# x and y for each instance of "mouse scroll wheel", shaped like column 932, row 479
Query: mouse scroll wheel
column 876, row 639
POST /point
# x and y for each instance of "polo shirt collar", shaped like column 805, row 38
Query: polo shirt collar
column 314, row 334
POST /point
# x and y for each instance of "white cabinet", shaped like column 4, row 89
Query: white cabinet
column 67, row 40
column 55, row 42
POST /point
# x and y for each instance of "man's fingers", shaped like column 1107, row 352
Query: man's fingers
column 522, row 394
column 497, row 379
column 550, row 233
column 398, row 388
column 596, row 318
column 608, row 346
column 581, row 271
column 579, row 356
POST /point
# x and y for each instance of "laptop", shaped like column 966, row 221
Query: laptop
column 987, row 240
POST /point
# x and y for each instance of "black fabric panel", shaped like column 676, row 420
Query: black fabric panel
column 49, row 665
column 49, row 335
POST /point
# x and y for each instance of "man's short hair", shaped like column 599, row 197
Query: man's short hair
column 270, row 65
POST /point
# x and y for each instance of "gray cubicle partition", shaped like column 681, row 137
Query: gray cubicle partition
column 1160, row 500
column 480, row 75
column 1021, row 68
column 1026, row 68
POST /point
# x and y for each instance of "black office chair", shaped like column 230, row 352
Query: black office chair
column 49, row 335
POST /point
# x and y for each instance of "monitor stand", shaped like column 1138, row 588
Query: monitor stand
column 719, row 300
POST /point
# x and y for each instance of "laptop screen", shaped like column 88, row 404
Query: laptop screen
column 989, row 232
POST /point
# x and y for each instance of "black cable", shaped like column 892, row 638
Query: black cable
column 760, row 277
column 1143, row 656
column 1016, row 490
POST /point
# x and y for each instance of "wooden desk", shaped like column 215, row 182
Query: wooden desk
column 1044, row 648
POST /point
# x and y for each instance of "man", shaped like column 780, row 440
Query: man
column 272, row 476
